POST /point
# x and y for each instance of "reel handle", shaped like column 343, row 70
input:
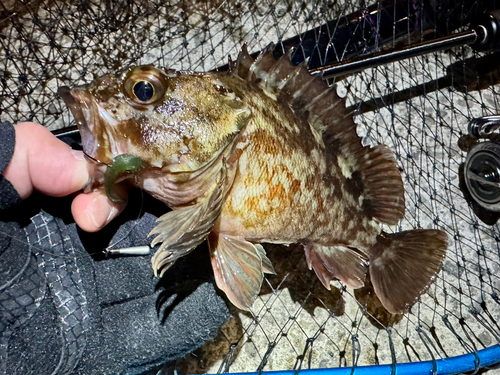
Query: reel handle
column 483, row 127
column 487, row 28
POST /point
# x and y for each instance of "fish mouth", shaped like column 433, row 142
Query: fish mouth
column 79, row 102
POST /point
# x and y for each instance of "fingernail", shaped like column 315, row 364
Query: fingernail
column 79, row 155
column 82, row 170
column 112, row 214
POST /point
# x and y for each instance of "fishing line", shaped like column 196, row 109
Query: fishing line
column 108, row 249
column 7, row 235
column 94, row 160
column 37, row 247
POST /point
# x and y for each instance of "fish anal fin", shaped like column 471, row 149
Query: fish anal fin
column 238, row 268
column 337, row 262
column 403, row 265
column 315, row 263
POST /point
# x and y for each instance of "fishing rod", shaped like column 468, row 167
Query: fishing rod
column 483, row 36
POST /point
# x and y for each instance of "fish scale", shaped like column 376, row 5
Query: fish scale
column 261, row 153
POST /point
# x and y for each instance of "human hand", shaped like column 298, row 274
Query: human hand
column 44, row 163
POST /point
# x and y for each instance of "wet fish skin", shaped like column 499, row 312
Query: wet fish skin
column 264, row 153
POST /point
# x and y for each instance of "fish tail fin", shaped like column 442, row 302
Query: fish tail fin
column 403, row 265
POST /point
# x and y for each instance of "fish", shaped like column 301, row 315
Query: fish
column 261, row 153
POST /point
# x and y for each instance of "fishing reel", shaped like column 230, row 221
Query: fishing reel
column 481, row 170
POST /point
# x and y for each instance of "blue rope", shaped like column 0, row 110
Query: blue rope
column 448, row 366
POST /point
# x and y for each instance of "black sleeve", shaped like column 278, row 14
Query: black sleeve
column 8, row 195
column 63, row 313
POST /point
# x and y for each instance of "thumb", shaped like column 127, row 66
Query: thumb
column 94, row 210
column 44, row 163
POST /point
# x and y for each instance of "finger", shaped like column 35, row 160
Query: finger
column 44, row 163
column 94, row 210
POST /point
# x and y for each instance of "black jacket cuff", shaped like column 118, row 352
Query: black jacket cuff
column 8, row 195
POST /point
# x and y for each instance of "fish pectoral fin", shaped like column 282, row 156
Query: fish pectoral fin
column 239, row 268
column 403, row 265
column 337, row 262
column 181, row 230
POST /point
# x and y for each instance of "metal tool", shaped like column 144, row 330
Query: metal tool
column 137, row 250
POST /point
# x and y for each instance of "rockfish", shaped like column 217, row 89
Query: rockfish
column 262, row 153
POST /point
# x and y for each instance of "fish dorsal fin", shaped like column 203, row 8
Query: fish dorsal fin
column 313, row 101
column 292, row 85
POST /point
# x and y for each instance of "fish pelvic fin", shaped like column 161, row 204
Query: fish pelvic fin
column 403, row 266
column 181, row 230
column 337, row 262
column 239, row 268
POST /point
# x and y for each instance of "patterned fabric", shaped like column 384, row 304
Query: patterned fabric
column 20, row 296
column 50, row 271
column 56, row 259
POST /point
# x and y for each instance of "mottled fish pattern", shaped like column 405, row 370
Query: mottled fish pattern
column 262, row 153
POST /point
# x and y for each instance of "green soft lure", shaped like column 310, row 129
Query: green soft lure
column 122, row 163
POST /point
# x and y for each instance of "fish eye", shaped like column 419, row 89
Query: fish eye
column 144, row 85
column 143, row 90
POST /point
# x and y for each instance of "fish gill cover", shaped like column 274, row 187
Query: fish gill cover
column 419, row 107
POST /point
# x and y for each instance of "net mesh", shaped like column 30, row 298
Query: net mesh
column 420, row 107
